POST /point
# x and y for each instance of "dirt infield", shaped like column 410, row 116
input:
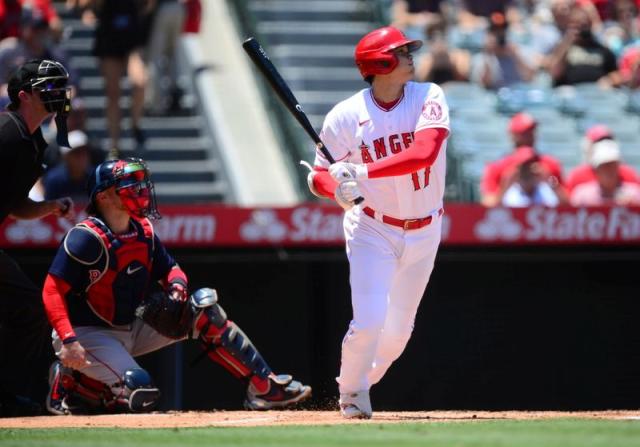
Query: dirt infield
column 273, row 418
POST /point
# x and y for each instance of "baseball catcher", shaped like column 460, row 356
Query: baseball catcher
column 113, row 293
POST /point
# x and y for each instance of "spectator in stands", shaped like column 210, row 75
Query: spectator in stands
column 630, row 67
column 529, row 186
column 623, row 30
column 486, row 8
column 501, row 63
column 579, row 57
column 69, row 178
column 413, row 16
column 34, row 42
column 122, row 32
column 608, row 188
column 468, row 31
column 11, row 13
column 441, row 64
column 547, row 26
column 501, row 174
column 163, row 94
column 586, row 172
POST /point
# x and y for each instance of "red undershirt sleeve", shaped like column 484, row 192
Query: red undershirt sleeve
column 323, row 183
column 421, row 153
column 56, row 308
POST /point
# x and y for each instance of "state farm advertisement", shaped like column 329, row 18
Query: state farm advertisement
column 314, row 224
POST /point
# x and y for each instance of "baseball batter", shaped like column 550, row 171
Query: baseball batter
column 389, row 142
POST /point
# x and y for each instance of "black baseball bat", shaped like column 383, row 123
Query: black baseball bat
column 269, row 71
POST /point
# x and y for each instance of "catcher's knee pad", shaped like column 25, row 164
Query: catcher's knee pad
column 135, row 392
column 223, row 340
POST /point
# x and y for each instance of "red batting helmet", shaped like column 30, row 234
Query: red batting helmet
column 374, row 53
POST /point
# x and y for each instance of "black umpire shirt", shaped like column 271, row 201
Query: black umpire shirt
column 21, row 157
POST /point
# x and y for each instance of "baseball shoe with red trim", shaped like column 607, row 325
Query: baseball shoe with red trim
column 283, row 392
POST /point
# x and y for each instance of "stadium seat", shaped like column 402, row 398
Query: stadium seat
column 521, row 97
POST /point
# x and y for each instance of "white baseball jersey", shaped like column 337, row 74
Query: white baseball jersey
column 358, row 130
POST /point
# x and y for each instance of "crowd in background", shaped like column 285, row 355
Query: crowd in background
column 526, row 177
column 493, row 43
column 502, row 43
column 133, row 38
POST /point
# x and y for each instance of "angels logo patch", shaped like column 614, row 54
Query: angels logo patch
column 432, row 111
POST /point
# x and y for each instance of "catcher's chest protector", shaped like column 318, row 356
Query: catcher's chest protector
column 119, row 288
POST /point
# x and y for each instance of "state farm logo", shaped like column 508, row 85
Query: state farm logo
column 498, row 223
column 263, row 224
column 186, row 228
column 304, row 224
column 565, row 224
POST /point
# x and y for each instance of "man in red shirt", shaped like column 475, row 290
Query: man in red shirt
column 11, row 13
column 607, row 188
column 499, row 175
column 586, row 172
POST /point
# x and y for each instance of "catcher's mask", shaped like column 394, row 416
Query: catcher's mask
column 49, row 80
column 132, row 182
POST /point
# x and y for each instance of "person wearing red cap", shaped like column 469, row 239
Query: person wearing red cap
column 500, row 175
column 586, row 172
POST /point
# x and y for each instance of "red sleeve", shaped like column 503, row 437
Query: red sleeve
column 554, row 166
column 47, row 9
column 490, row 182
column 628, row 174
column 55, row 306
column 324, row 184
column 421, row 153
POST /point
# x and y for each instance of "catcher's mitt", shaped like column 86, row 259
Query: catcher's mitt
column 171, row 318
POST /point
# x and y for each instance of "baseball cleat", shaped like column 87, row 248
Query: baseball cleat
column 57, row 396
column 283, row 392
column 355, row 405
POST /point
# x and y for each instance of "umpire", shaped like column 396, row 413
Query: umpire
column 37, row 90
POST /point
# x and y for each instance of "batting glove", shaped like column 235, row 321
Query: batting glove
column 342, row 171
column 346, row 193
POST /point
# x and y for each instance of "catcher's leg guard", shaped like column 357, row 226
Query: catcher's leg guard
column 227, row 345
column 223, row 340
column 71, row 392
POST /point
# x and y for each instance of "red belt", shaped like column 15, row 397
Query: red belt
column 406, row 224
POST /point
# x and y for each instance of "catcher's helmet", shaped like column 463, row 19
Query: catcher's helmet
column 374, row 53
column 133, row 184
column 48, row 78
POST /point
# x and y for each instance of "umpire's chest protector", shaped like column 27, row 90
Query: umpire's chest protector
column 120, row 287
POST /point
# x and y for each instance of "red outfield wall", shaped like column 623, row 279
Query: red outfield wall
column 311, row 225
